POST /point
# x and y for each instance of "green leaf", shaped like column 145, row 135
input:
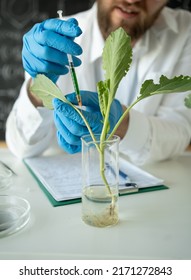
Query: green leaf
column 117, row 58
column 187, row 101
column 103, row 95
column 46, row 90
column 165, row 85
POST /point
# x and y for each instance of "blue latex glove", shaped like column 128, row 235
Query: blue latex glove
column 45, row 47
column 70, row 126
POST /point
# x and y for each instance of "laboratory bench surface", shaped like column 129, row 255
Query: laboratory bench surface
column 153, row 225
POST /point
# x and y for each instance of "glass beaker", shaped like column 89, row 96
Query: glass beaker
column 100, row 175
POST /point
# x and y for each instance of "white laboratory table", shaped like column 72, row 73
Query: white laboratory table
column 153, row 225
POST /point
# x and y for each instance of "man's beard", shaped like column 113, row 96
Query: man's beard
column 135, row 31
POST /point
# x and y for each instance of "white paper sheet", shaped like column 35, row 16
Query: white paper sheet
column 61, row 175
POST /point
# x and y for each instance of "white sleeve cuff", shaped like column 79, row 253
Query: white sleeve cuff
column 29, row 118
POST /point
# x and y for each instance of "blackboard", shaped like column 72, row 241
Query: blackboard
column 16, row 18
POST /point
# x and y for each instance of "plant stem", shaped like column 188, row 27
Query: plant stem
column 102, row 172
column 103, row 137
column 105, row 124
column 102, row 166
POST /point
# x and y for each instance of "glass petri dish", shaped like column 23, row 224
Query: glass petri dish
column 14, row 214
column 5, row 177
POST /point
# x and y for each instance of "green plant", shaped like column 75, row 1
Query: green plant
column 117, row 58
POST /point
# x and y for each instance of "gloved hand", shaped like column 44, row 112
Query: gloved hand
column 71, row 127
column 45, row 47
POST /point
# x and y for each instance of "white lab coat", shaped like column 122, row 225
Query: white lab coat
column 160, row 126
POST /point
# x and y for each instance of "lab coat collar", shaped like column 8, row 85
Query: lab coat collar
column 166, row 20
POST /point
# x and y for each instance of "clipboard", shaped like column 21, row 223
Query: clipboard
column 55, row 203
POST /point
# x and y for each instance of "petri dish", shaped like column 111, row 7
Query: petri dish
column 14, row 214
column 5, row 177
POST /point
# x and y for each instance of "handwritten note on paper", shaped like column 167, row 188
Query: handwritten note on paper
column 61, row 175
